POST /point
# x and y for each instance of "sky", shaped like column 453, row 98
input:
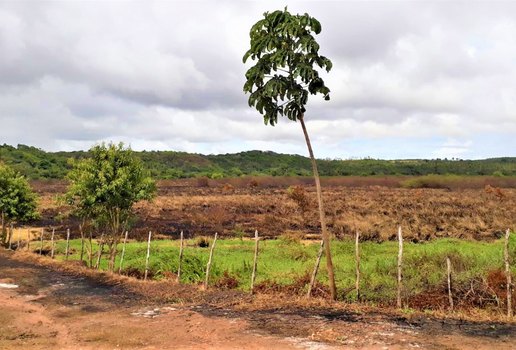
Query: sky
column 409, row 80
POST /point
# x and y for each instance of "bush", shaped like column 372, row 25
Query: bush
column 290, row 237
column 217, row 175
column 227, row 281
column 298, row 195
column 18, row 202
column 202, row 242
column 203, row 182
column 239, row 232
column 227, row 188
column 253, row 183
column 431, row 181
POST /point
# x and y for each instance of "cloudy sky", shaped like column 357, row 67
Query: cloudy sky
column 410, row 79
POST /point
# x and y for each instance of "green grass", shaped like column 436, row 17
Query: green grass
column 283, row 261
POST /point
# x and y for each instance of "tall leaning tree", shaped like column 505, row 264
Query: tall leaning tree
column 287, row 55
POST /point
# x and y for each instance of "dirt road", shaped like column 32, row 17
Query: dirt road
column 55, row 310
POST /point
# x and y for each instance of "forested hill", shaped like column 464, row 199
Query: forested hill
column 38, row 164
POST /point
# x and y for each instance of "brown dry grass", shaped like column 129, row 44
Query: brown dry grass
column 374, row 210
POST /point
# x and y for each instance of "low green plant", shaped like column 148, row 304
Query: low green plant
column 239, row 233
column 284, row 262
column 433, row 181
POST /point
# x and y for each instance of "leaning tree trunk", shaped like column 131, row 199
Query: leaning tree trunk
column 113, row 251
column 3, row 234
column 325, row 235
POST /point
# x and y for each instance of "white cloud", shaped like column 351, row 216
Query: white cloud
column 453, row 148
column 168, row 75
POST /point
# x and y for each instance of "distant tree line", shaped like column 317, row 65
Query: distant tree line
column 35, row 163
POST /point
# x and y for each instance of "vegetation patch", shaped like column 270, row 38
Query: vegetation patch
column 478, row 279
column 38, row 164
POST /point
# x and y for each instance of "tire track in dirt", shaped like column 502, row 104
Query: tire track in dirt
column 56, row 310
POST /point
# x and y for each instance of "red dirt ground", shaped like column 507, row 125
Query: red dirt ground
column 56, row 309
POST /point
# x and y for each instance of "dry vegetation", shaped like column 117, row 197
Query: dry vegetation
column 277, row 206
column 286, row 207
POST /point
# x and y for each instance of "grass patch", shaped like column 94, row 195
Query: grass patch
column 453, row 182
column 285, row 262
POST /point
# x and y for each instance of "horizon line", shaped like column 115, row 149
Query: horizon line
column 270, row 151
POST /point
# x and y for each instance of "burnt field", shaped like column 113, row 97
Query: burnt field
column 471, row 209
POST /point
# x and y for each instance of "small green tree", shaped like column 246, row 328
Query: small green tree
column 286, row 54
column 17, row 201
column 105, row 187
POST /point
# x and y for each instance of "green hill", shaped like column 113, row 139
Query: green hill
column 38, row 164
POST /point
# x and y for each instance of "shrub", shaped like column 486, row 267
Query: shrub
column 18, row 202
column 227, row 281
column 238, row 232
column 203, row 182
column 431, row 181
column 253, row 183
column 298, row 195
column 217, row 175
column 202, row 242
column 290, row 238
column 227, row 188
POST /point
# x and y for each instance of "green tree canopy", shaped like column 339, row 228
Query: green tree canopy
column 286, row 55
column 104, row 188
column 18, row 203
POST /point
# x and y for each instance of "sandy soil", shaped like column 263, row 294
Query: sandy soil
column 57, row 310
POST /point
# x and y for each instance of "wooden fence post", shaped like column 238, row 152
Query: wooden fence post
column 357, row 260
column 147, row 258
column 67, row 252
column 508, row 273
column 448, row 273
column 255, row 264
column 52, row 243
column 123, row 253
column 400, row 261
column 180, row 258
column 316, row 268
column 41, row 241
column 208, row 266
